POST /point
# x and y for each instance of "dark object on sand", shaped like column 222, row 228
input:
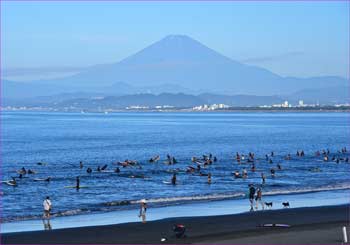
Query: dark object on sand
column 179, row 231
column 275, row 225
column 285, row 204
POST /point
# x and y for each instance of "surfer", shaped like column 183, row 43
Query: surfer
column 272, row 172
column 245, row 173
column 31, row 171
column 209, row 178
column 237, row 174
column 174, row 160
column 13, row 181
column 77, row 186
column 117, row 170
column 279, row 166
column 263, row 178
column 89, row 170
column 143, row 209
column 23, row 171
column 173, row 179
column 238, row 157
column 104, row 167
column 81, row 164
column 288, row 157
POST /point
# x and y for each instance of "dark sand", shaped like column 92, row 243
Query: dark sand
column 321, row 225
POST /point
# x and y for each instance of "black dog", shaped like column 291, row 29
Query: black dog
column 285, row 204
column 268, row 204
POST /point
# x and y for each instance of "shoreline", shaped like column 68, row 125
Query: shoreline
column 238, row 110
column 207, row 208
column 308, row 225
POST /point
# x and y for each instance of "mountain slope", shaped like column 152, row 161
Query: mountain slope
column 191, row 67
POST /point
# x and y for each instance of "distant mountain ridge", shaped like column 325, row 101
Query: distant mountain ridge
column 98, row 101
column 177, row 63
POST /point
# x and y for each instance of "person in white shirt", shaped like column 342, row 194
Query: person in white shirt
column 47, row 208
column 143, row 209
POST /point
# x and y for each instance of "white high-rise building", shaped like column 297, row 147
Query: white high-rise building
column 301, row 103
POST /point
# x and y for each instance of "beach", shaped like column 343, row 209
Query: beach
column 307, row 225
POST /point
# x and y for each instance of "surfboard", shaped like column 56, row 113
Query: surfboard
column 275, row 225
column 39, row 179
column 167, row 182
column 11, row 184
column 74, row 187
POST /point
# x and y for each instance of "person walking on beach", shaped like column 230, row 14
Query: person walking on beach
column 143, row 209
column 251, row 196
column 47, row 208
column 258, row 198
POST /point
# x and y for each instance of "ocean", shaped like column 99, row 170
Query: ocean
column 62, row 140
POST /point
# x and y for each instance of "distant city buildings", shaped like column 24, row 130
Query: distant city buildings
column 137, row 107
column 283, row 105
column 210, row 107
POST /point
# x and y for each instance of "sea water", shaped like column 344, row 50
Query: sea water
column 62, row 140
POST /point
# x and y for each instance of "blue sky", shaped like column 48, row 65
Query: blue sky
column 289, row 38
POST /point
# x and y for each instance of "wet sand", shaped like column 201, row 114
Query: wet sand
column 321, row 225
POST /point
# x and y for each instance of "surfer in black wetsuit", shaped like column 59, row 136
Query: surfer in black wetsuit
column 272, row 172
column 263, row 178
column 173, row 179
column 89, row 170
column 78, row 183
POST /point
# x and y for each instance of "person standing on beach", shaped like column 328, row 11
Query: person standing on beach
column 251, row 196
column 143, row 209
column 258, row 198
column 47, row 208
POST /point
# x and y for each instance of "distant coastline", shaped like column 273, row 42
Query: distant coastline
column 320, row 109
